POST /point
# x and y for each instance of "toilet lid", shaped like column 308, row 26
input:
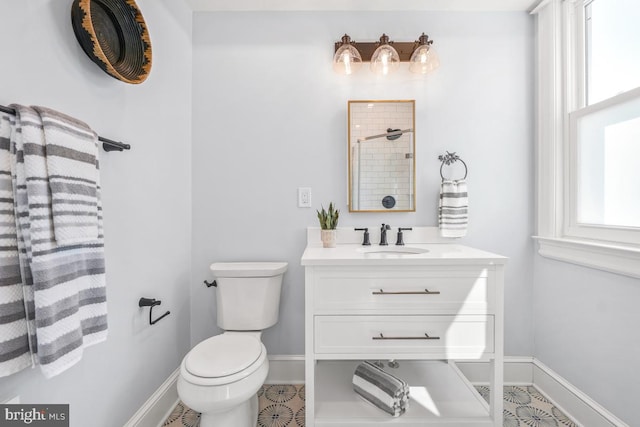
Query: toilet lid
column 223, row 355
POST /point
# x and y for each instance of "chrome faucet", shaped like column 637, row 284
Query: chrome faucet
column 383, row 234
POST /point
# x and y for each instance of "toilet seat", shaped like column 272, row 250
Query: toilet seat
column 223, row 359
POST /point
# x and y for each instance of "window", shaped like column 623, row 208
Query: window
column 612, row 47
column 607, row 145
column 589, row 132
column 604, row 127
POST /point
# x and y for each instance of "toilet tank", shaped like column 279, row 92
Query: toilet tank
column 248, row 294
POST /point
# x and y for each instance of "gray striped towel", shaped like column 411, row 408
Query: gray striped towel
column 66, row 283
column 72, row 155
column 453, row 208
column 382, row 389
column 15, row 353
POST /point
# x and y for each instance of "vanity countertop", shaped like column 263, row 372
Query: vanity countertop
column 435, row 254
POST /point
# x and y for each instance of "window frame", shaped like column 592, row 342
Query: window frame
column 561, row 102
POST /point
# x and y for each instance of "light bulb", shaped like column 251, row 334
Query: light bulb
column 424, row 58
column 347, row 59
column 385, row 59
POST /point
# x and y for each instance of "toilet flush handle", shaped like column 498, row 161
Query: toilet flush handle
column 210, row 284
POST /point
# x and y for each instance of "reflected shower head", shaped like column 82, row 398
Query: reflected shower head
column 393, row 134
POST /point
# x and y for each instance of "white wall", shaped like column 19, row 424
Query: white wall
column 146, row 198
column 270, row 115
column 586, row 329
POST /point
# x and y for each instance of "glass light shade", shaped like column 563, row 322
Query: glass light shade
column 347, row 60
column 385, row 60
column 424, row 60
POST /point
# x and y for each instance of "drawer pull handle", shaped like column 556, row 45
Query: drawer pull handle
column 425, row 337
column 425, row 292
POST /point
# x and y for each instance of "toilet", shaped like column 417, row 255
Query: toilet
column 220, row 376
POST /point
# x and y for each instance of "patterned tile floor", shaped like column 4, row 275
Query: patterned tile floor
column 283, row 406
column 524, row 406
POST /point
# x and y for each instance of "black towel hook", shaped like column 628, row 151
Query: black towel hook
column 152, row 302
column 448, row 159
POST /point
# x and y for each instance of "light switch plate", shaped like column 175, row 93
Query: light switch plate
column 304, row 197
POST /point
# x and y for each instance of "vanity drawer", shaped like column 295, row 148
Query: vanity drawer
column 442, row 336
column 398, row 292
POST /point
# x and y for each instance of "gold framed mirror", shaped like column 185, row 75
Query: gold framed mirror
column 381, row 147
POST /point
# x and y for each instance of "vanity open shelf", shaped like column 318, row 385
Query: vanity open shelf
column 439, row 391
column 423, row 308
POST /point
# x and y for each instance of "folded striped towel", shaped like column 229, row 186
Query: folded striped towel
column 453, row 216
column 71, row 150
column 382, row 389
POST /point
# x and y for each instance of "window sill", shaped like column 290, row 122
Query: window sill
column 608, row 257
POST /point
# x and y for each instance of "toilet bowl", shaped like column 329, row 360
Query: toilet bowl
column 220, row 376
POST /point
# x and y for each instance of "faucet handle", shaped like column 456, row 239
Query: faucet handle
column 385, row 227
column 400, row 240
column 366, row 241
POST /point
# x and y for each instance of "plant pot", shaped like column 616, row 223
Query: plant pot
column 328, row 238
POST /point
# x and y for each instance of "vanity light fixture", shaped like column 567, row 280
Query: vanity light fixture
column 384, row 55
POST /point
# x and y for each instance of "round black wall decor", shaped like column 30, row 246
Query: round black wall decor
column 114, row 35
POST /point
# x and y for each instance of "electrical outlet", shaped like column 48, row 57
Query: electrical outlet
column 304, row 197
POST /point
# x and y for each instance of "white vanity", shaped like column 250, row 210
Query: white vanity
column 423, row 305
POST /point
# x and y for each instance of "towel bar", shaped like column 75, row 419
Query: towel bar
column 107, row 144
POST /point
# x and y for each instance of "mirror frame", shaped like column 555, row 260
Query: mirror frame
column 412, row 198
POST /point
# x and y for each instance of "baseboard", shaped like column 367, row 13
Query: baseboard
column 518, row 370
column 157, row 408
column 286, row 369
column 289, row 369
column 570, row 400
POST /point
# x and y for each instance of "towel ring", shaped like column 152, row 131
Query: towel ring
column 448, row 159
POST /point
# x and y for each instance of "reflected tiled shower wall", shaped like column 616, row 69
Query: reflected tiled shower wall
column 382, row 167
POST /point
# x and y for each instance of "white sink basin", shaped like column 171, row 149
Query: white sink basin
column 392, row 251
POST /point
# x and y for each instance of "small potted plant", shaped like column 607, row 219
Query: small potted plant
column 328, row 223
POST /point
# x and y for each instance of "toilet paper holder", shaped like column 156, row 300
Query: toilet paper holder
column 152, row 302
